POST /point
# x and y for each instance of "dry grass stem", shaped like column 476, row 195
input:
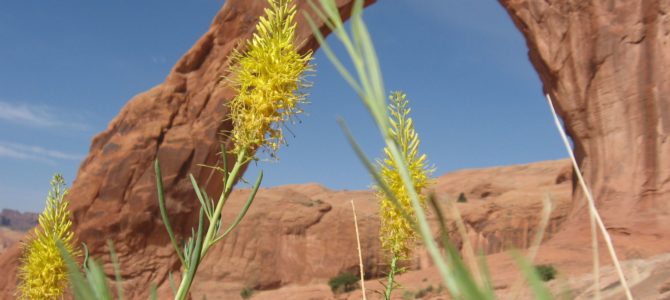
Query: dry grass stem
column 360, row 254
column 591, row 203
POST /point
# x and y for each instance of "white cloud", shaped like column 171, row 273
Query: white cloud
column 36, row 153
column 35, row 115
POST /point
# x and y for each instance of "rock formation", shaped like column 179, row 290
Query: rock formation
column 606, row 64
column 179, row 122
column 18, row 221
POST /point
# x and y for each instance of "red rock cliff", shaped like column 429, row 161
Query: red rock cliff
column 606, row 65
column 178, row 121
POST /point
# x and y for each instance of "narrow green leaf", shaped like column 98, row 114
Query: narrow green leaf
column 163, row 210
column 332, row 57
column 536, row 284
column 117, row 270
column 173, row 286
column 78, row 282
column 153, row 291
column 373, row 171
column 244, row 210
column 97, row 280
column 195, row 255
column 202, row 200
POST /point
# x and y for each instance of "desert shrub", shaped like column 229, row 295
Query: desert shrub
column 345, row 282
column 546, row 272
column 462, row 198
column 246, row 293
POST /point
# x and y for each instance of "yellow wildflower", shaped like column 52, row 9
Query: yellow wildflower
column 267, row 79
column 397, row 235
column 43, row 273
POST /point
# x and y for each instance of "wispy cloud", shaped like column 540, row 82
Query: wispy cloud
column 35, row 153
column 35, row 115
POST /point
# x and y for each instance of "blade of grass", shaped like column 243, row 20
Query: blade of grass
column 244, row 210
column 117, row 270
column 536, row 284
column 80, row 287
column 203, row 202
column 360, row 254
column 535, row 246
column 373, row 172
column 591, row 203
column 98, row 281
column 164, row 214
column 153, row 292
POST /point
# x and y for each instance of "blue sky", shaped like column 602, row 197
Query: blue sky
column 68, row 67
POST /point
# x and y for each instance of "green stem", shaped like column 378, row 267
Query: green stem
column 210, row 236
column 228, row 187
column 389, row 283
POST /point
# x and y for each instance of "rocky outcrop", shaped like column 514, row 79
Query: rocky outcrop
column 179, row 122
column 303, row 235
column 16, row 220
column 606, row 64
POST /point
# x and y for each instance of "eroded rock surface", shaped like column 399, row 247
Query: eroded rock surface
column 179, row 122
column 607, row 66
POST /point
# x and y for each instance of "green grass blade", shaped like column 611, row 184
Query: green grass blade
column 203, row 202
column 536, row 284
column 332, row 57
column 244, row 210
column 373, row 171
column 80, row 287
column 117, row 270
column 153, row 292
column 98, row 281
column 163, row 210
column 194, row 261
column 172, row 284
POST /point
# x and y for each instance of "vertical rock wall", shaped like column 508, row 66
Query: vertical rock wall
column 606, row 64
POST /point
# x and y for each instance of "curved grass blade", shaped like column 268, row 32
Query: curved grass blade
column 203, row 202
column 163, row 210
column 373, row 172
column 537, row 286
column 244, row 210
column 97, row 280
column 117, row 270
column 80, row 287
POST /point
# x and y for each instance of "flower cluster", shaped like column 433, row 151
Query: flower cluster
column 267, row 79
column 396, row 233
column 43, row 273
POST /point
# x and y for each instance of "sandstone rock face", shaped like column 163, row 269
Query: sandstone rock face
column 179, row 122
column 303, row 235
column 606, row 65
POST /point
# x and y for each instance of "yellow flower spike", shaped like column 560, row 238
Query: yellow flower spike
column 396, row 234
column 267, row 79
column 43, row 273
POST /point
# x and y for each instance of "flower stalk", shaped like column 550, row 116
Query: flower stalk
column 267, row 78
column 43, row 273
column 397, row 233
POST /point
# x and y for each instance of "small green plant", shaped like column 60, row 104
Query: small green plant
column 462, row 198
column 546, row 272
column 246, row 293
column 345, row 282
column 268, row 78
